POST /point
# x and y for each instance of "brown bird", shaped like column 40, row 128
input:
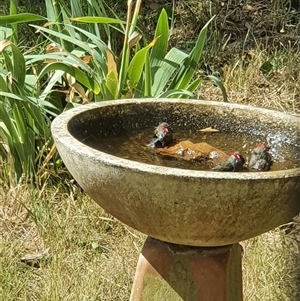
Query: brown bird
column 234, row 162
column 260, row 158
column 163, row 136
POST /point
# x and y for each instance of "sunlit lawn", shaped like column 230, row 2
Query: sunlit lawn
column 85, row 254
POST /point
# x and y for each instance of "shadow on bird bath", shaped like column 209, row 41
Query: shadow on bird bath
column 181, row 206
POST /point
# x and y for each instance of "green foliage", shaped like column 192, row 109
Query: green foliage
column 24, row 127
column 77, row 62
column 13, row 11
column 140, row 70
column 20, row 18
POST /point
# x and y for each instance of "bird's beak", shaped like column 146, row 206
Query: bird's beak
column 164, row 129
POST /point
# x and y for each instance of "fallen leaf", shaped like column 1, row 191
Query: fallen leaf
column 35, row 258
column 209, row 130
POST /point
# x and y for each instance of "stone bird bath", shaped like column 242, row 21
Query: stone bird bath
column 193, row 219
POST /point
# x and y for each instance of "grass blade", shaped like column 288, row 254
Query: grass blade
column 21, row 18
column 218, row 82
column 177, row 93
column 148, row 77
column 97, row 20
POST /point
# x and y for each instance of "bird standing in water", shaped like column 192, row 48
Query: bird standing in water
column 163, row 135
column 260, row 158
column 235, row 162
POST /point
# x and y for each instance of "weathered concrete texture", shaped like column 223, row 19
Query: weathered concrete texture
column 180, row 273
column 186, row 207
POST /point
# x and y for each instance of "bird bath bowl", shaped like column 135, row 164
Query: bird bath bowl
column 194, row 219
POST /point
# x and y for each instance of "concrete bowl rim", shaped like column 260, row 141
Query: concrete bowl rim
column 59, row 129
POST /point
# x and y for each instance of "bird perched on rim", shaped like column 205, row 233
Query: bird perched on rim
column 234, row 162
column 163, row 136
column 260, row 158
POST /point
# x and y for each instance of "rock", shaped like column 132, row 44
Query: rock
column 189, row 151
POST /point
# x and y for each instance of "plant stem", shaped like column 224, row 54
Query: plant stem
column 125, row 53
column 135, row 17
column 58, row 21
column 13, row 10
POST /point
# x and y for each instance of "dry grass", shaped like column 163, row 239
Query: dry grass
column 238, row 25
column 271, row 267
column 244, row 37
column 91, row 255
column 246, row 83
column 85, row 254
column 88, row 255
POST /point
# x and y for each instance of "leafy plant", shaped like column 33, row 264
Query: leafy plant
column 76, row 62
column 140, row 70
column 24, row 126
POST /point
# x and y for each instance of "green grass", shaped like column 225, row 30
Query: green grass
column 92, row 256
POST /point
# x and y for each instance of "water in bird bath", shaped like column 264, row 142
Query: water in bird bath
column 134, row 146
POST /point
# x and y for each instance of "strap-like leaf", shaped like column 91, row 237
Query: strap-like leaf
column 89, row 82
column 21, row 18
column 218, row 82
column 15, row 63
column 190, row 65
column 112, row 75
column 177, row 93
column 136, row 65
column 97, row 20
column 159, row 50
column 163, row 70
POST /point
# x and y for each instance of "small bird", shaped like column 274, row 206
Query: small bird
column 163, row 136
column 235, row 162
column 260, row 158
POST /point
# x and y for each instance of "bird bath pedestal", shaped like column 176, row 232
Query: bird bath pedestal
column 193, row 219
column 167, row 271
